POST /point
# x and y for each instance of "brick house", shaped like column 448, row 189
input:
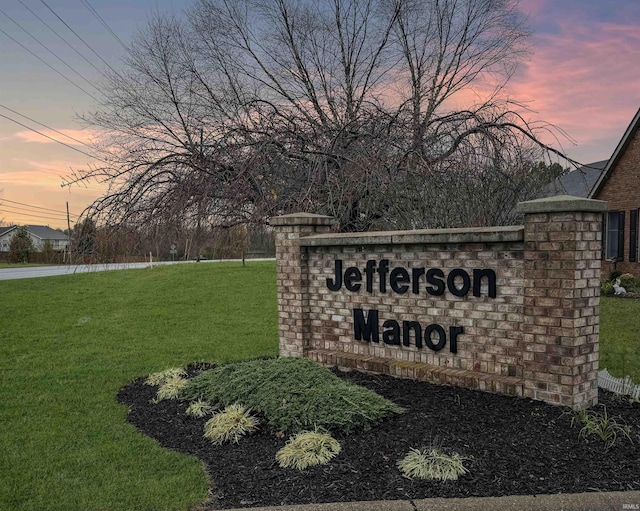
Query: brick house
column 619, row 185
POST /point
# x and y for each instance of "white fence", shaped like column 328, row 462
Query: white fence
column 623, row 386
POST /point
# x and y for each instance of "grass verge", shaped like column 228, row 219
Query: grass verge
column 67, row 345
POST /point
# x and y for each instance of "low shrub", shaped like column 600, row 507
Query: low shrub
column 294, row 394
column 629, row 282
column 230, row 425
column 307, row 449
column 613, row 275
column 606, row 288
column 432, row 463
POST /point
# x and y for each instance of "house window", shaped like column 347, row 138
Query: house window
column 633, row 235
column 615, row 235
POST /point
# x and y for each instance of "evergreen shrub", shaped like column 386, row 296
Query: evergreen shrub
column 294, row 394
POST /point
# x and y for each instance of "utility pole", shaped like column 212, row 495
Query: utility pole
column 201, row 199
column 69, row 231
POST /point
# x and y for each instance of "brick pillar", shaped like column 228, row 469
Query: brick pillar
column 562, row 237
column 293, row 278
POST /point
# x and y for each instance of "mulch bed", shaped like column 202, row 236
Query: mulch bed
column 517, row 446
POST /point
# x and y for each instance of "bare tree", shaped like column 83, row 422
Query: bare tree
column 476, row 191
column 253, row 107
column 161, row 149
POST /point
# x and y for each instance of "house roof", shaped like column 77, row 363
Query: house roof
column 45, row 232
column 619, row 151
column 578, row 182
column 4, row 230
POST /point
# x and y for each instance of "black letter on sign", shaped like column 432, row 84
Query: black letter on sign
column 366, row 330
column 336, row 284
column 391, row 336
column 351, row 278
column 368, row 271
column 417, row 330
column 417, row 273
column 454, row 331
column 451, row 282
column 442, row 337
column 434, row 277
column 383, row 268
column 478, row 275
column 399, row 275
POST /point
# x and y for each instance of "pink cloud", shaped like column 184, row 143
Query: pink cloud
column 73, row 137
column 533, row 8
column 38, row 183
column 29, row 177
column 584, row 80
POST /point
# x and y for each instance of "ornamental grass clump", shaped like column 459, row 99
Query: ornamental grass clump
column 230, row 425
column 606, row 428
column 432, row 464
column 307, row 449
column 171, row 388
column 199, row 408
column 162, row 376
column 294, row 394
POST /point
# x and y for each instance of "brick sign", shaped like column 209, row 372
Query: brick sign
column 512, row 310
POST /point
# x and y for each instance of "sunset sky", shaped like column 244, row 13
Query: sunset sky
column 583, row 76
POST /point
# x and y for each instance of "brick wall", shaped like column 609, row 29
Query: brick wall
column 561, row 305
column 537, row 337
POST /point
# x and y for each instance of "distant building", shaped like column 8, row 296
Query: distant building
column 619, row 185
column 39, row 234
column 578, row 182
column 5, row 238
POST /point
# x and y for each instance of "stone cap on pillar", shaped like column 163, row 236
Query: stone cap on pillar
column 302, row 219
column 562, row 203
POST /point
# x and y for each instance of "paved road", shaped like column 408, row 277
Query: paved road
column 50, row 271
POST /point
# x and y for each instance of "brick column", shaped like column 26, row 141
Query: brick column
column 562, row 238
column 293, row 278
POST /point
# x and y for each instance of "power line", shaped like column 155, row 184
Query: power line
column 53, row 139
column 45, row 126
column 49, row 50
column 78, row 36
column 10, row 212
column 49, row 66
column 34, row 207
column 62, row 38
column 21, row 210
column 104, row 23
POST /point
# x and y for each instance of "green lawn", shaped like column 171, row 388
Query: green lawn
column 620, row 337
column 67, row 344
